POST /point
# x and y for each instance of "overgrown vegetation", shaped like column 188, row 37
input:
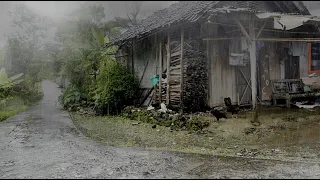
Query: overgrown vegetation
column 23, row 61
column 15, row 96
column 171, row 119
column 98, row 81
column 116, row 87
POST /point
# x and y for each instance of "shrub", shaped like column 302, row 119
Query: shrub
column 174, row 121
column 30, row 95
column 116, row 87
column 197, row 123
column 71, row 98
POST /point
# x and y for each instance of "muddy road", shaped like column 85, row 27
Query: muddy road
column 43, row 143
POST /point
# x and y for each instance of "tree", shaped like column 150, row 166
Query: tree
column 2, row 57
column 113, row 28
column 26, row 41
column 132, row 10
column 76, row 39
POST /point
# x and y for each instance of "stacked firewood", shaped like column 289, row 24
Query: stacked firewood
column 156, row 97
column 175, row 75
column 194, row 76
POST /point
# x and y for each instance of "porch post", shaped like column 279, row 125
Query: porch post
column 168, row 69
column 181, row 69
column 253, row 63
column 160, row 71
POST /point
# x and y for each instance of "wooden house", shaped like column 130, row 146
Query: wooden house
column 226, row 44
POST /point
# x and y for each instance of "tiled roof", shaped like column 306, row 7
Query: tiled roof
column 191, row 11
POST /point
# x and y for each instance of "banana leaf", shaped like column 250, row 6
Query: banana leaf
column 98, row 35
column 6, row 82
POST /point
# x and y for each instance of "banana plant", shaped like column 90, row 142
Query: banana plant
column 5, row 85
column 95, row 51
column 6, row 82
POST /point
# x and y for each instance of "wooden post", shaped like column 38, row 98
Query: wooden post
column 156, row 50
column 168, row 69
column 260, row 31
column 160, row 71
column 132, row 63
column 253, row 63
column 181, row 70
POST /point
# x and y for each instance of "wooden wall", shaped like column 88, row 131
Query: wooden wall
column 144, row 61
column 221, row 75
column 269, row 69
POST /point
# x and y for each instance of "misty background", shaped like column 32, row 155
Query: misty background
column 57, row 10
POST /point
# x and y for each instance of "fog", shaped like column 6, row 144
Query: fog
column 59, row 9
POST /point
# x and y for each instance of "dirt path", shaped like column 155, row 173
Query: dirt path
column 43, row 143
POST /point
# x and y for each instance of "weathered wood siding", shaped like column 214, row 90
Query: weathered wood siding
column 242, row 73
column 221, row 75
column 144, row 60
column 274, row 61
column 269, row 69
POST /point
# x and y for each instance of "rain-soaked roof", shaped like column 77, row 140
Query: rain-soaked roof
column 191, row 11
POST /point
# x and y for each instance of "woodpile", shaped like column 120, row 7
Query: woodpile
column 194, row 78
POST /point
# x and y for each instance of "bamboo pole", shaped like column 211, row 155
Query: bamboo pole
column 181, row 70
column 289, row 39
column 168, row 70
column 253, row 63
column 132, row 57
column 160, row 71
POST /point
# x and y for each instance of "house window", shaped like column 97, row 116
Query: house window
column 314, row 58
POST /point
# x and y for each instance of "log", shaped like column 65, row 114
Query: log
column 187, row 85
column 175, row 54
column 176, row 86
column 175, row 68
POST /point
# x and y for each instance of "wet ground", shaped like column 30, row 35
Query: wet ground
column 43, row 143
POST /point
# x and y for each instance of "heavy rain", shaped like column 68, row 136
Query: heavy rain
column 159, row 89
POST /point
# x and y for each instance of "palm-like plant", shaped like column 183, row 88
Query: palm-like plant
column 6, row 82
column 94, row 52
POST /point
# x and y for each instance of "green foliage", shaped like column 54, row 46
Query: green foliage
column 2, row 57
column 197, row 123
column 24, row 50
column 15, row 96
column 174, row 121
column 6, row 86
column 116, row 87
column 6, row 82
column 12, row 106
column 80, row 39
column 94, row 74
column 29, row 95
column 114, row 27
column 71, row 98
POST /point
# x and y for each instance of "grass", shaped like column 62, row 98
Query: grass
column 16, row 104
column 13, row 107
column 292, row 132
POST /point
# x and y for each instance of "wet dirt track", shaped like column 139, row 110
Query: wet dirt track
column 43, row 143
